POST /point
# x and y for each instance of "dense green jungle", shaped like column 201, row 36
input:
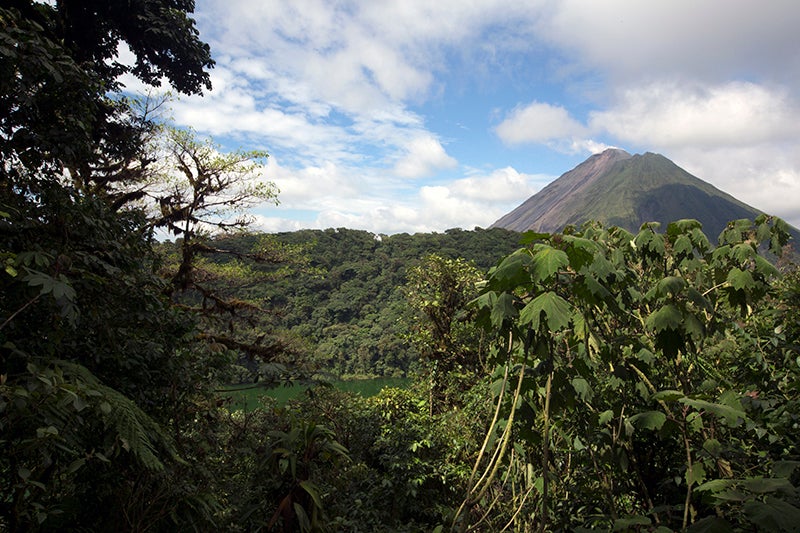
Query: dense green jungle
column 593, row 379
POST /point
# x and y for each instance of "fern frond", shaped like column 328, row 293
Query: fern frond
column 137, row 432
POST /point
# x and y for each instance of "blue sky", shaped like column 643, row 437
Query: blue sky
column 413, row 115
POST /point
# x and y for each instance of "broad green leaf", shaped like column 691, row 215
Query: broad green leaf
column 530, row 237
column 696, row 474
column 547, row 261
column 601, row 267
column 766, row 485
column 697, row 298
column 512, row 271
column 714, row 486
column 556, row 309
column 302, row 517
column 487, row 299
column 667, row 317
column 582, row 389
column 311, row 490
column 667, row 396
column 731, row 414
column 772, row 514
column 605, row 417
column 784, row 469
column 671, row 285
column 645, row 355
column 740, row 279
column 684, row 225
column 700, row 240
column 683, row 245
column 694, row 327
column 713, row 447
column 580, row 251
column 765, row 268
column 743, row 252
column 76, row 465
column 595, row 287
column 503, row 309
column 648, row 420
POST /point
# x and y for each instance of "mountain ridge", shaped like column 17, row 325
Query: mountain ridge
column 620, row 189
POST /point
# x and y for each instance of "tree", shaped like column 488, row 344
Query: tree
column 438, row 290
column 202, row 193
column 618, row 379
column 58, row 65
column 94, row 363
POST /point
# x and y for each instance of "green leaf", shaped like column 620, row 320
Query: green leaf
column 503, row 309
column 731, row 414
column 76, row 465
column 302, row 517
column 713, row 447
column 740, row 279
column 683, row 245
column 648, row 420
column 695, row 475
column 605, row 417
column 530, row 237
column 784, row 469
column 714, row 486
column 582, row 389
column 667, row 317
column 671, row 285
column 547, row 261
column 667, row 396
column 556, row 309
column 512, row 271
column 772, row 514
column 762, row 485
column 486, row 300
column 765, row 268
column 743, row 252
column 312, row 491
column 684, row 225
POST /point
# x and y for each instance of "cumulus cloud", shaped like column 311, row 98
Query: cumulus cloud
column 501, row 186
column 764, row 176
column 538, row 122
column 423, row 157
column 672, row 115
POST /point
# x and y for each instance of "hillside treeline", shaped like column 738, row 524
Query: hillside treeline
column 338, row 295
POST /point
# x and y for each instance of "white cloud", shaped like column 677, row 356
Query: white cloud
column 765, row 177
column 538, row 122
column 713, row 39
column 423, row 156
column 503, row 186
column 672, row 115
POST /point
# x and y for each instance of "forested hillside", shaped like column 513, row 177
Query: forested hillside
column 337, row 294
